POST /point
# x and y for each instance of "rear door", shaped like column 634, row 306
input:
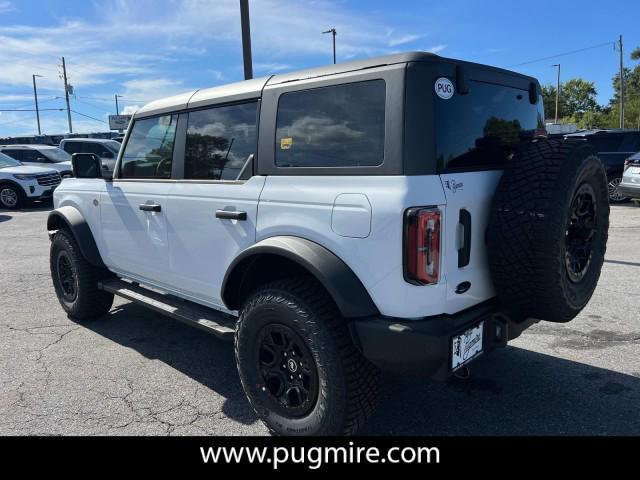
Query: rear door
column 476, row 134
column 213, row 208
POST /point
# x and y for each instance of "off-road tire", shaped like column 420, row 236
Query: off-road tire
column 529, row 226
column 19, row 195
column 89, row 302
column 348, row 383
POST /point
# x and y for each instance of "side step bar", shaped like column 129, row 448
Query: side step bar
column 218, row 323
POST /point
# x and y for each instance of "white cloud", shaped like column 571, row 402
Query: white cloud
column 436, row 48
column 6, row 7
column 136, row 47
column 394, row 42
column 130, row 109
column 147, row 89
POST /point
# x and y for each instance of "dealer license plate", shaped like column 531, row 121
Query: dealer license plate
column 466, row 346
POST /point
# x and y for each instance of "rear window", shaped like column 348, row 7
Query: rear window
column 483, row 128
column 336, row 126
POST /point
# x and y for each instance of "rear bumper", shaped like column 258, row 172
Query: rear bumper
column 630, row 189
column 424, row 346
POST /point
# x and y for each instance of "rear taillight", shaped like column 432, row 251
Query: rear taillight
column 422, row 245
column 627, row 162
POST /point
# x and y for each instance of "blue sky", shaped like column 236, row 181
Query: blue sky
column 144, row 49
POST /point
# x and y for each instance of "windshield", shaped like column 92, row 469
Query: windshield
column 7, row 161
column 56, row 155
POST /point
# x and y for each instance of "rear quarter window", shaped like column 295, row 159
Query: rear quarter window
column 335, row 126
column 482, row 129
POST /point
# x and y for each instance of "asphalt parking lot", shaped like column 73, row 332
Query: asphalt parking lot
column 137, row 373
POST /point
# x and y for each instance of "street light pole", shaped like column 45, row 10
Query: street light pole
column 117, row 109
column 35, row 96
column 333, row 33
column 621, row 83
column 557, row 92
column 246, row 39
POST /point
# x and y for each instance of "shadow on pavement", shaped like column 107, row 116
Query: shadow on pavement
column 5, row 218
column 511, row 392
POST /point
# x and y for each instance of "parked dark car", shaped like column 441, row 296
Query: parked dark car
column 614, row 147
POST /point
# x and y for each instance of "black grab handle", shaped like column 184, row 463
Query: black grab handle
column 149, row 207
column 229, row 215
column 464, row 253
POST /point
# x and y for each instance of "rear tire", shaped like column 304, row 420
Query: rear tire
column 76, row 281
column 548, row 230
column 298, row 365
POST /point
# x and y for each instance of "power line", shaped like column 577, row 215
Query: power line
column 31, row 110
column 88, row 116
column 562, row 54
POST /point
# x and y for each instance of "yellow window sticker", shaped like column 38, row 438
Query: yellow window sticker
column 286, row 143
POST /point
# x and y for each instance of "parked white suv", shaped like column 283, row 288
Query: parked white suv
column 46, row 156
column 403, row 213
column 20, row 183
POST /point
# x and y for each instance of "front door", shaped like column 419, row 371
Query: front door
column 213, row 210
column 135, row 206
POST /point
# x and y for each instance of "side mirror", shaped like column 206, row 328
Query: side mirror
column 86, row 165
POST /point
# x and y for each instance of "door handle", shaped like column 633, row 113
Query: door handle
column 230, row 215
column 150, row 207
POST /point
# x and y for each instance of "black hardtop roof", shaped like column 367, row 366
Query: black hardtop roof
column 252, row 88
column 396, row 58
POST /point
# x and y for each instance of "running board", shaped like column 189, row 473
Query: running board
column 212, row 321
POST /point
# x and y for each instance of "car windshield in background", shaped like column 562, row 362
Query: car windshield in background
column 483, row 128
column 7, row 161
column 56, row 155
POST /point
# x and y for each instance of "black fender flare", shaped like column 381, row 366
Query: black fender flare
column 342, row 284
column 70, row 217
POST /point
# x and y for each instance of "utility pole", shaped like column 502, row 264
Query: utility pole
column 621, row 83
column 557, row 92
column 66, row 94
column 117, row 109
column 35, row 96
column 333, row 33
column 246, row 39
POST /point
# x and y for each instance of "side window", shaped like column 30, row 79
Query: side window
column 336, row 126
column 605, row 142
column 33, row 156
column 149, row 150
column 72, row 147
column 97, row 149
column 631, row 142
column 219, row 141
column 15, row 154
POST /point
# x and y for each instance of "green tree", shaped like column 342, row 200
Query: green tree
column 577, row 96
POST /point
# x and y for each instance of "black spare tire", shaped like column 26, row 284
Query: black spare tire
column 548, row 229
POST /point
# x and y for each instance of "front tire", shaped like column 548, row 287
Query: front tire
column 613, row 186
column 298, row 365
column 76, row 281
column 11, row 197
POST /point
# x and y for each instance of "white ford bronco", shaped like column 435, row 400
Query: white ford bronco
column 405, row 213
